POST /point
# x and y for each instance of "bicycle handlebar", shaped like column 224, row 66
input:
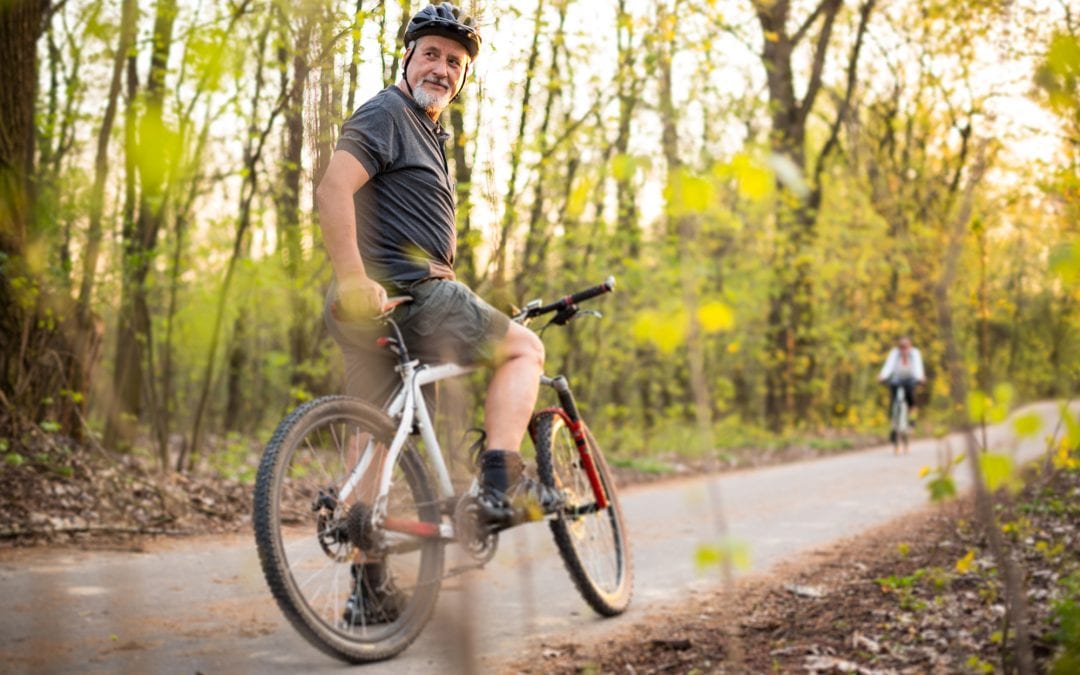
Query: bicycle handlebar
column 571, row 300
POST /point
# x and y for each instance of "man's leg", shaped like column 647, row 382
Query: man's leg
column 512, row 393
column 511, row 397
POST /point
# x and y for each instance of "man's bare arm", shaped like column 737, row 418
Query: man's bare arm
column 358, row 294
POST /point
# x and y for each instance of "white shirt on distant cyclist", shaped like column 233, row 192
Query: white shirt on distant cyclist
column 904, row 362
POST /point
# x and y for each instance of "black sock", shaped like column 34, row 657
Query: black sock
column 500, row 469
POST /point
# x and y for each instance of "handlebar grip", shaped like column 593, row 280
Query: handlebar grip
column 581, row 296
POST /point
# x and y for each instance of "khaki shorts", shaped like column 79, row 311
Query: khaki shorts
column 445, row 323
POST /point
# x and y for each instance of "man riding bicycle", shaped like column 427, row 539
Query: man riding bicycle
column 903, row 367
column 387, row 212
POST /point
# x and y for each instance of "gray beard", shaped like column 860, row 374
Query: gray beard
column 432, row 103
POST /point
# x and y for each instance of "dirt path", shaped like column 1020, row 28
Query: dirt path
column 200, row 605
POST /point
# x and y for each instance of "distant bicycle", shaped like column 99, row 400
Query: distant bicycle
column 899, row 422
column 342, row 482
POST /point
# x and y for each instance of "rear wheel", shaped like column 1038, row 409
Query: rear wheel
column 591, row 540
column 313, row 544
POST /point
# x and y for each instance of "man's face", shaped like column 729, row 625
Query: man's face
column 436, row 71
column 905, row 344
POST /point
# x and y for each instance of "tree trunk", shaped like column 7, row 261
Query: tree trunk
column 140, row 241
column 791, row 365
column 288, row 199
column 253, row 149
column 685, row 228
column 101, row 159
column 41, row 365
column 537, row 233
column 509, row 218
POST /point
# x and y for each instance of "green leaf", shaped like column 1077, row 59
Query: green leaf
column 1027, row 425
column 687, row 194
column 1072, row 426
column 978, row 404
column 941, row 488
column 1065, row 262
column 623, row 167
column 735, row 552
column 1063, row 57
column 1004, row 394
column 998, row 470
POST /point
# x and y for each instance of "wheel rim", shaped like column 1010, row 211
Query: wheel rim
column 313, row 544
column 594, row 534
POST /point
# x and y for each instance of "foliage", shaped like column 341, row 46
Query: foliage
column 685, row 204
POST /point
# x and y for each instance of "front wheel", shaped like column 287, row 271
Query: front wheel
column 591, row 540
column 900, row 426
column 318, row 549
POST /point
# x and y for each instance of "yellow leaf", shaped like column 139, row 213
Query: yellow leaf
column 733, row 348
column 963, row 565
column 754, row 180
column 579, row 197
column 726, row 551
column 665, row 331
column 924, row 472
column 772, row 36
column 715, row 316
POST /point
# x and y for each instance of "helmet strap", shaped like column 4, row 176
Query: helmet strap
column 405, row 68
column 464, row 79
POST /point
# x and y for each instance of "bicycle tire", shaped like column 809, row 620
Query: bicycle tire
column 593, row 545
column 308, row 568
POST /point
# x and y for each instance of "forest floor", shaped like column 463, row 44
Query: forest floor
column 919, row 595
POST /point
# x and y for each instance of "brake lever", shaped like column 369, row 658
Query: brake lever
column 564, row 315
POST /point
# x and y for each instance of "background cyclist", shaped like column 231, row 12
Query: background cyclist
column 903, row 366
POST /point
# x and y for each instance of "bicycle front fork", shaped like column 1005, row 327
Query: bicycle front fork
column 569, row 411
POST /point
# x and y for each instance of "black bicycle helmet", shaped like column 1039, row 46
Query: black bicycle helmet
column 446, row 20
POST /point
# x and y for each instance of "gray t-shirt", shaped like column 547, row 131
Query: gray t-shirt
column 405, row 222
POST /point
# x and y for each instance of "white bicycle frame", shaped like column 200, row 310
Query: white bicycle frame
column 409, row 409
column 900, row 399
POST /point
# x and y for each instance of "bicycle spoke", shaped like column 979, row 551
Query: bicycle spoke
column 314, row 567
column 590, row 538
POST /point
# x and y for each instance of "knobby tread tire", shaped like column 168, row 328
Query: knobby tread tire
column 605, row 603
column 271, row 555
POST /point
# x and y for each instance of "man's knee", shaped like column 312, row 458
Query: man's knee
column 522, row 343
